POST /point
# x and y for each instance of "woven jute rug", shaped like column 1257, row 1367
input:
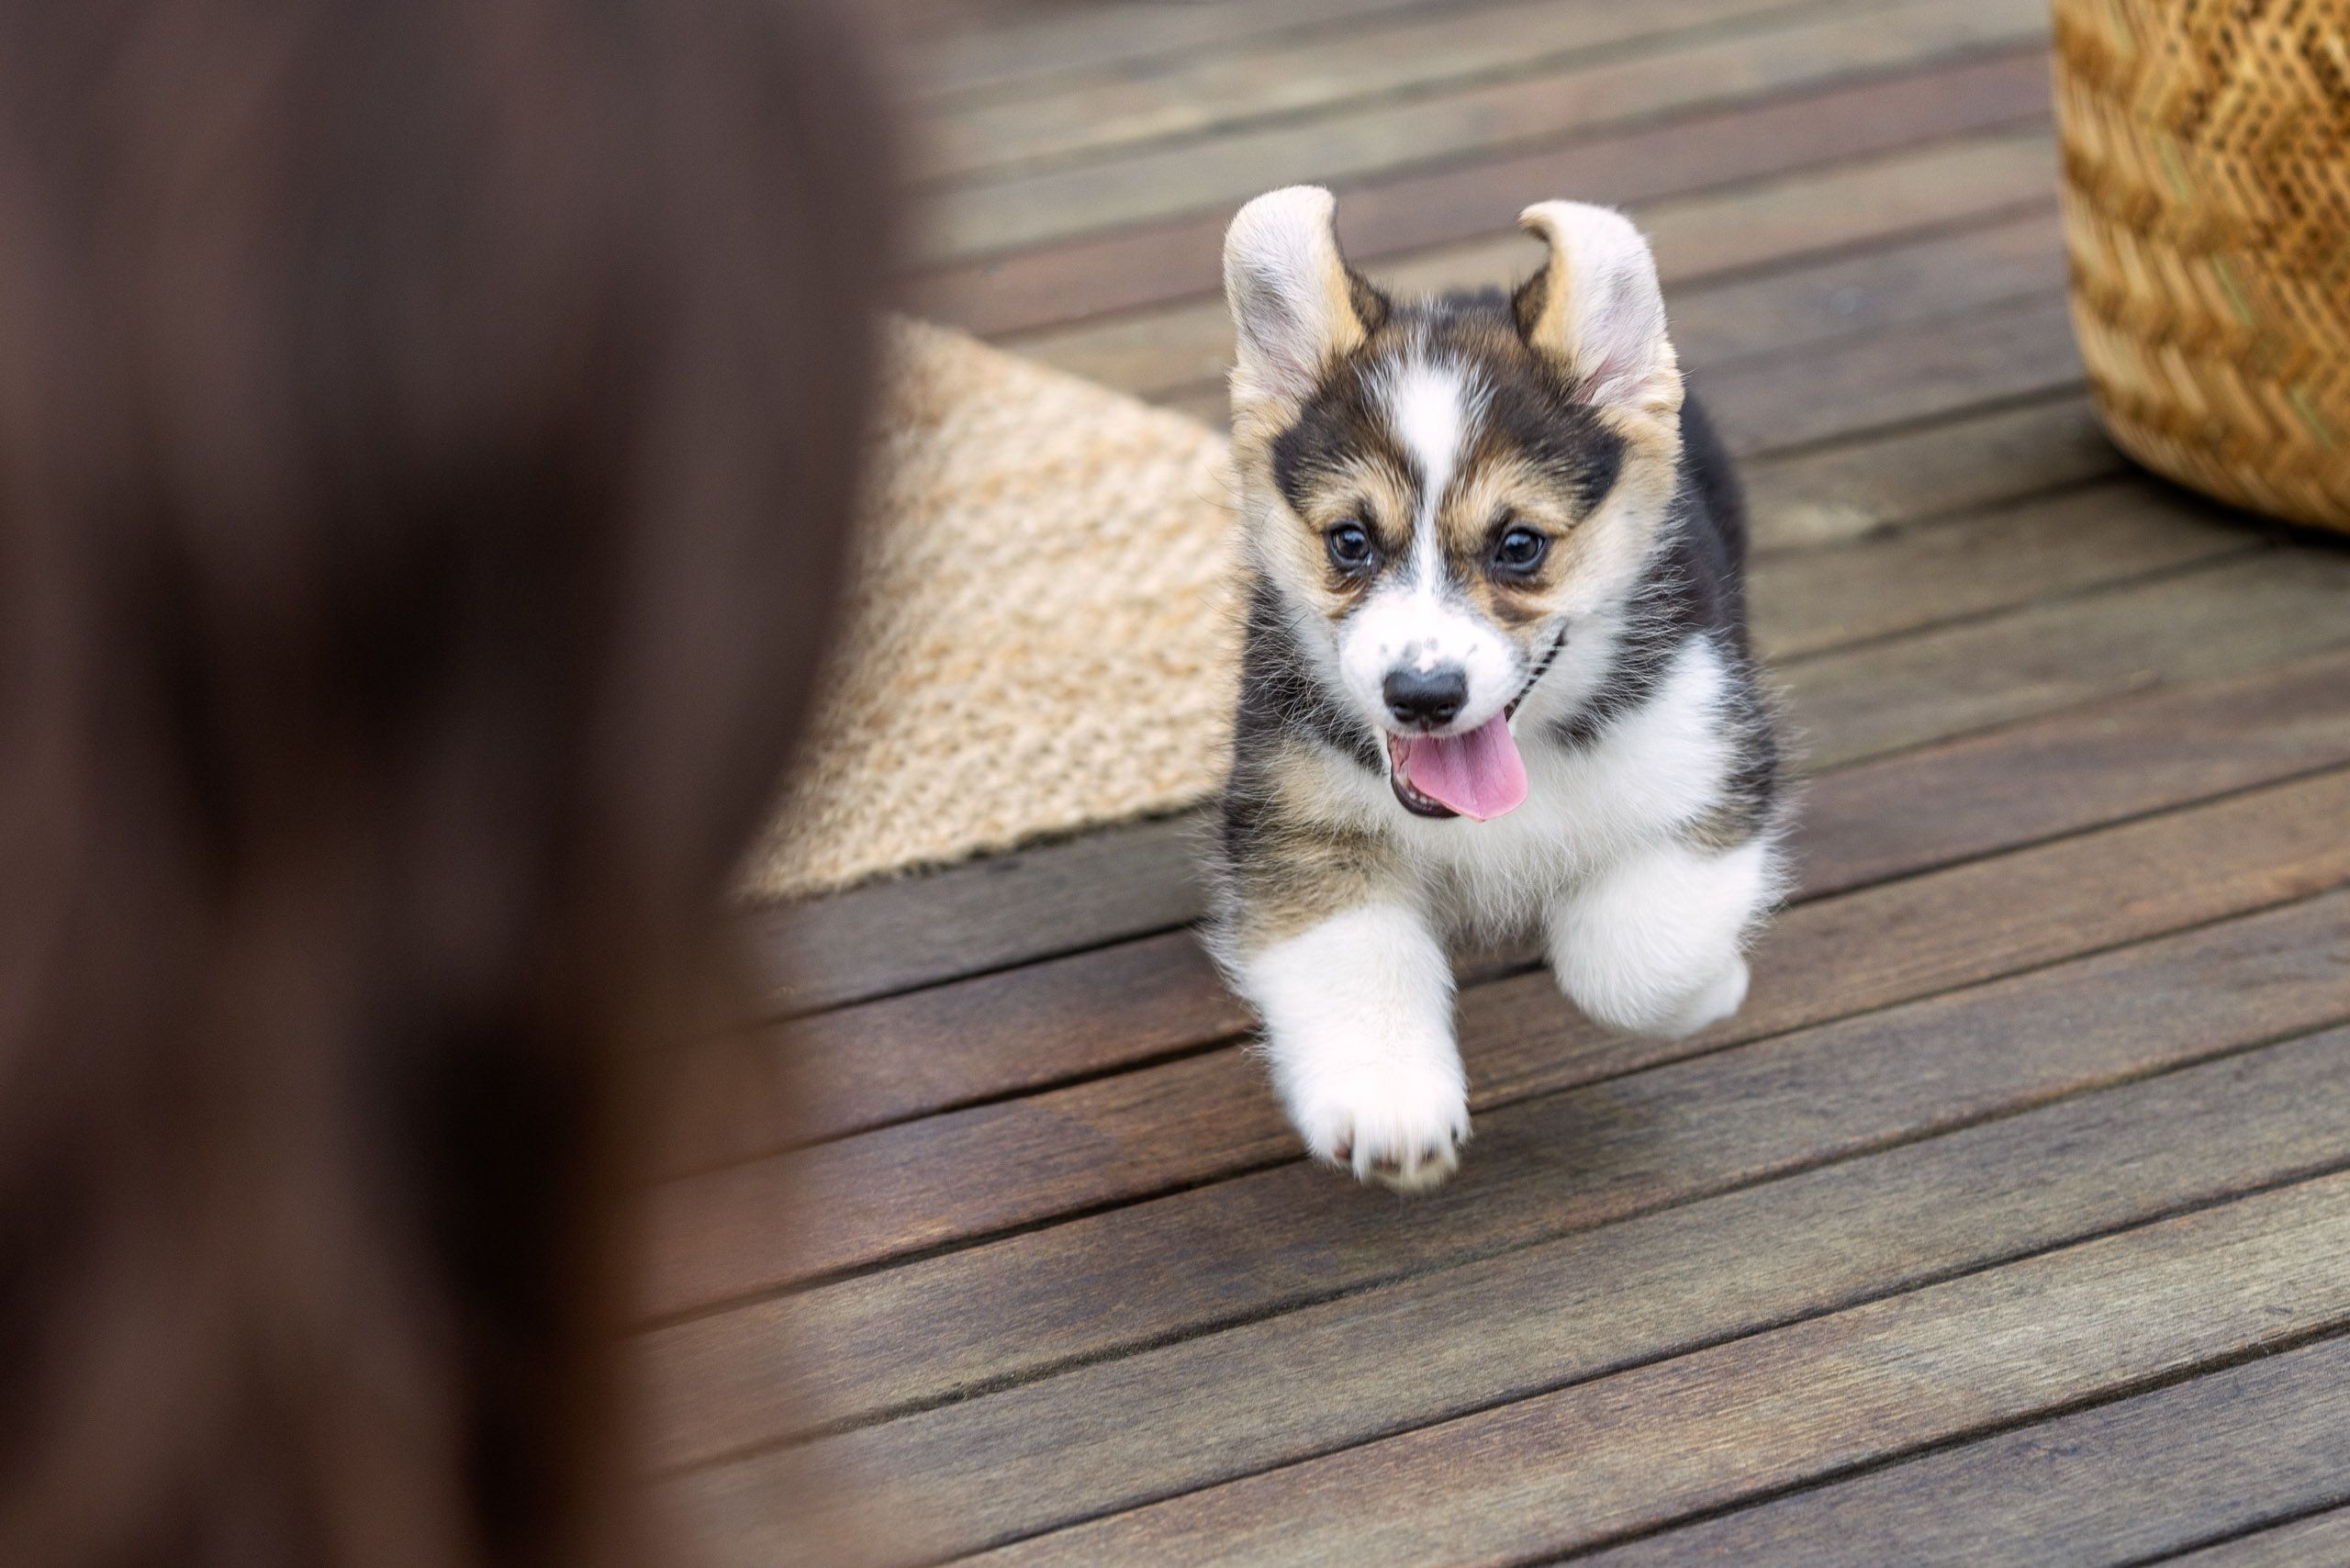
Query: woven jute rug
column 1041, row 636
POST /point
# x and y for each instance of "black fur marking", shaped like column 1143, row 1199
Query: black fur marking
column 1279, row 695
column 1693, row 588
column 1339, row 426
column 1370, row 307
column 1526, row 303
column 1566, row 440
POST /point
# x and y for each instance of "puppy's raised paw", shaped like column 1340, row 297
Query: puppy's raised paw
column 1400, row 1124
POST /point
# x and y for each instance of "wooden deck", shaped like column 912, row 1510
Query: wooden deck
column 2010, row 1223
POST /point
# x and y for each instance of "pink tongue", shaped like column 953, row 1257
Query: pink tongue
column 1480, row 774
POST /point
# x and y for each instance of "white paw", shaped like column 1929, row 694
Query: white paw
column 1401, row 1123
column 1679, row 1015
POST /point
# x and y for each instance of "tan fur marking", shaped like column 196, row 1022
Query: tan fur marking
column 1300, row 869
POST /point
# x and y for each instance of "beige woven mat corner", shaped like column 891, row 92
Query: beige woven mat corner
column 1040, row 635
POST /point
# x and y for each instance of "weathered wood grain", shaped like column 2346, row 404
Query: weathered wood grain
column 2322, row 1541
column 1117, row 1434
column 2082, row 768
column 1115, row 1006
column 1258, row 1245
column 1148, row 265
column 2235, row 616
column 1821, row 600
column 1099, row 1287
column 1883, row 478
column 2226, row 1451
column 988, row 216
column 1375, row 60
column 963, row 1174
column 1004, row 910
column 1708, row 1429
column 1909, row 202
column 1000, row 52
column 1912, row 370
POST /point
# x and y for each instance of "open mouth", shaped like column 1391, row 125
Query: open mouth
column 1477, row 774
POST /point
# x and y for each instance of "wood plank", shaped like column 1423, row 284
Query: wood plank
column 1149, row 265
column 1696, row 238
column 2233, row 618
column 1882, row 479
column 965, row 1174
column 1645, row 1447
column 945, row 1047
column 1009, row 908
column 1017, row 211
column 1003, row 54
column 1911, row 370
column 2077, row 770
column 1845, row 297
column 1129, row 1003
column 1114, row 1435
column 2322, row 1541
column 1822, row 600
column 2230, row 1450
column 1378, row 58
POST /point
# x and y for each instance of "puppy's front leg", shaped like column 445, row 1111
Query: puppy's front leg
column 1650, row 945
column 1358, row 1011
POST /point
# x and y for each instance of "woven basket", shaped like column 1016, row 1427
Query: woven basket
column 2206, row 162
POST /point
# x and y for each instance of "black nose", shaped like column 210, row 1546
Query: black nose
column 1426, row 697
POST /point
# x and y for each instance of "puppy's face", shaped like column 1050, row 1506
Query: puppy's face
column 1439, row 489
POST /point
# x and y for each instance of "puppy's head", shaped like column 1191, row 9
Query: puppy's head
column 1439, row 488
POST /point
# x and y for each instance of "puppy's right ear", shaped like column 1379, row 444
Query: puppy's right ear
column 1296, row 303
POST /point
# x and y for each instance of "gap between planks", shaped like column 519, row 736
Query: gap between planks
column 1996, row 1311
column 1717, row 150
column 1550, row 114
column 2234, row 1452
column 1410, row 56
column 1975, row 1355
column 1794, row 1241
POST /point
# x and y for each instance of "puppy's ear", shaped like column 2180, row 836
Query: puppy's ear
column 1296, row 303
column 1595, row 308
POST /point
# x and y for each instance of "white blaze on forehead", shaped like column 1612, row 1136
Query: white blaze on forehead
column 1430, row 407
column 1411, row 622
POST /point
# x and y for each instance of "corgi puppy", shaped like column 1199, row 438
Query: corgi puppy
column 1494, row 672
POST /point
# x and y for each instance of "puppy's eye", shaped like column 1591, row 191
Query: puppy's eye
column 1349, row 545
column 1520, row 549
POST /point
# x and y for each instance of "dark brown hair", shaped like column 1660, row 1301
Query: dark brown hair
column 426, row 434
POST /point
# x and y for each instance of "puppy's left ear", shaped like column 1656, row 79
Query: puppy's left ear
column 1595, row 308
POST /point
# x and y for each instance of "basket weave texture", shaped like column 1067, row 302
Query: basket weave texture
column 2206, row 165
